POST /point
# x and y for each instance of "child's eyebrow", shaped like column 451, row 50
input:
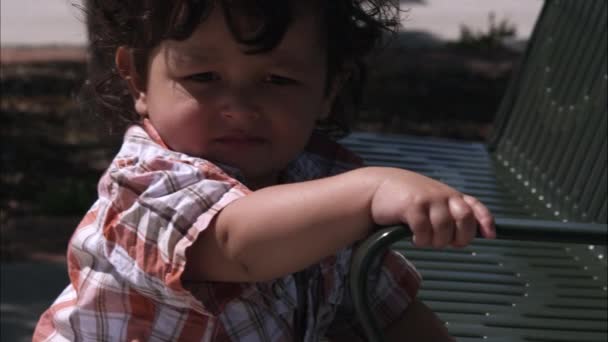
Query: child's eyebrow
column 280, row 58
column 191, row 56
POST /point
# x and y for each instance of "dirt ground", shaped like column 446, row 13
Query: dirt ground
column 24, row 55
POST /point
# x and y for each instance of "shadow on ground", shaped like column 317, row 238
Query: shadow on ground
column 27, row 289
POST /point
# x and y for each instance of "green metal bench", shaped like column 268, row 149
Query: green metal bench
column 544, row 176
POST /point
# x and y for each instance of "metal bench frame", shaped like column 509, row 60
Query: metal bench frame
column 543, row 174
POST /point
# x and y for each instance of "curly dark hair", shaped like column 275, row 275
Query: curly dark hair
column 352, row 28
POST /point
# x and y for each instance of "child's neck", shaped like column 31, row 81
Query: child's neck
column 256, row 183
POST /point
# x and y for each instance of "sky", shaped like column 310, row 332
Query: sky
column 59, row 22
column 443, row 18
column 41, row 22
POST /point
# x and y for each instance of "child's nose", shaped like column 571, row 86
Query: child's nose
column 239, row 105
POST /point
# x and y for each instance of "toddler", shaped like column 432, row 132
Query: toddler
column 226, row 215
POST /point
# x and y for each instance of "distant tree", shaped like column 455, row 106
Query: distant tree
column 493, row 38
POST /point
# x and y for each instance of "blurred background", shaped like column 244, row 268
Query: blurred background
column 442, row 75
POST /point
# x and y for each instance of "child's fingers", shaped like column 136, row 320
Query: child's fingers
column 482, row 216
column 464, row 220
column 421, row 228
column 443, row 225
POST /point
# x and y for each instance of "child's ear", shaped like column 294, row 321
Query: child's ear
column 127, row 70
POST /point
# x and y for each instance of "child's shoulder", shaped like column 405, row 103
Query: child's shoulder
column 145, row 162
column 322, row 157
column 142, row 145
column 145, row 148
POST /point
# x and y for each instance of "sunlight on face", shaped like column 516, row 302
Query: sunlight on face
column 255, row 112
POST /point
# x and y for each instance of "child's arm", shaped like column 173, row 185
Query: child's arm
column 282, row 229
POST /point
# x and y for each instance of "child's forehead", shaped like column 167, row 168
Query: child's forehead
column 213, row 37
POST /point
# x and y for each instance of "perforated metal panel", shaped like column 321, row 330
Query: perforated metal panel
column 467, row 166
column 548, row 161
column 499, row 290
column 553, row 131
column 516, row 291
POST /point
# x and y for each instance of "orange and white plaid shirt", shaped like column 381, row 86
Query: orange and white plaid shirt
column 127, row 255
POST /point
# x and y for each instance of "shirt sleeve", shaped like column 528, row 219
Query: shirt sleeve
column 153, row 210
column 393, row 283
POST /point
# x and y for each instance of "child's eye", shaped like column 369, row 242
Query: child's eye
column 280, row 80
column 205, row 77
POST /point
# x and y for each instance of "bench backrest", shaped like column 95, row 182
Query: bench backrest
column 551, row 131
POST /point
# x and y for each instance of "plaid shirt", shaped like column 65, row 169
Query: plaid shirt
column 126, row 257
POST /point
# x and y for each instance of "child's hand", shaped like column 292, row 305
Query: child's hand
column 437, row 214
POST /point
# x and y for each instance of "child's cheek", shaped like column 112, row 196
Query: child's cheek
column 182, row 107
column 281, row 100
column 196, row 102
column 187, row 127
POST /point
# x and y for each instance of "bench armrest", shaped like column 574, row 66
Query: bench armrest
column 511, row 229
column 552, row 231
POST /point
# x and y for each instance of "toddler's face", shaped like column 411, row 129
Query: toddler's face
column 255, row 112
